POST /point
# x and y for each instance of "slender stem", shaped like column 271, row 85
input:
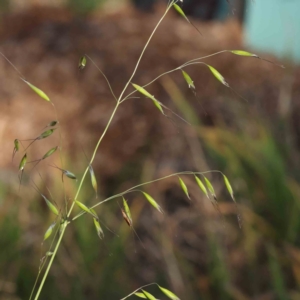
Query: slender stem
column 65, row 224
column 93, row 156
column 155, row 180
column 108, row 83
column 161, row 75
column 60, row 151
column 43, row 264
column 139, row 289
column 188, row 63
column 203, row 57
column 72, row 206
column 145, row 47
column 118, row 103
column 132, row 189
column 22, row 77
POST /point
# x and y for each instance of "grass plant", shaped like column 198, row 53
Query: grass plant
column 64, row 214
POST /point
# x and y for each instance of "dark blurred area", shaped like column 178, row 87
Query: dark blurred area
column 201, row 9
column 194, row 250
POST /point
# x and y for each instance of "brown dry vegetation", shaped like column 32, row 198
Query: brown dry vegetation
column 45, row 46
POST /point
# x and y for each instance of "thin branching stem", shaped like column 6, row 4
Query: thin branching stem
column 64, row 225
column 155, row 79
column 105, row 77
column 134, row 188
column 60, row 151
column 203, row 57
column 188, row 63
column 153, row 283
column 43, row 264
column 15, row 68
column 144, row 49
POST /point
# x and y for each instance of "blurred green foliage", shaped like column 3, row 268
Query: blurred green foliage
column 86, row 6
column 266, row 188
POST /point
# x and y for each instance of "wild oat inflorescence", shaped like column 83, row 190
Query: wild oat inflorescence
column 64, row 214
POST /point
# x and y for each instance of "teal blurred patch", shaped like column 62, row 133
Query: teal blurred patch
column 274, row 26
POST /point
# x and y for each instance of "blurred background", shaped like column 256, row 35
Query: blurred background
column 192, row 250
